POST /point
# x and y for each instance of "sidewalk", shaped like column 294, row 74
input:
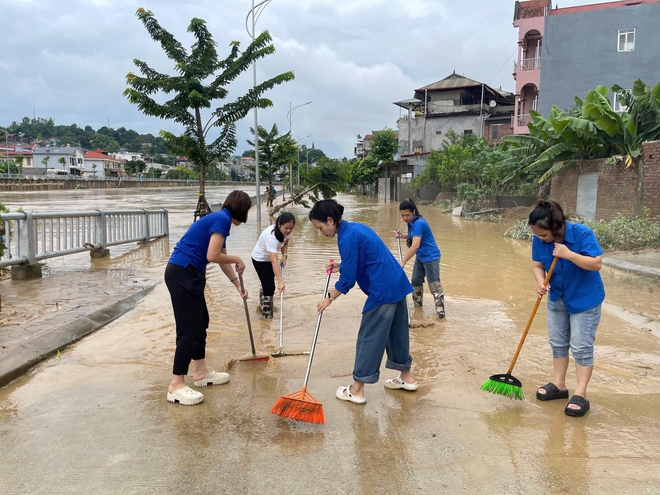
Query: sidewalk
column 646, row 264
column 41, row 316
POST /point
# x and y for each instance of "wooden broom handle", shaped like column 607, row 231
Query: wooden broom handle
column 531, row 317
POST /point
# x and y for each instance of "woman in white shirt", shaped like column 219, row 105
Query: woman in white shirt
column 265, row 260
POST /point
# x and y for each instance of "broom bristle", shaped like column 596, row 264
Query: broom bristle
column 505, row 389
column 300, row 406
column 255, row 357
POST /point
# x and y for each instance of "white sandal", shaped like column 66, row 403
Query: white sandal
column 344, row 393
column 397, row 383
column 185, row 396
column 213, row 378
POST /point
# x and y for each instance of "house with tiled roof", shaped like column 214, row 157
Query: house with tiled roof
column 100, row 164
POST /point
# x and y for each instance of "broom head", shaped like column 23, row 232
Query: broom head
column 257, row 356
column 506, row 385
column 300, row 406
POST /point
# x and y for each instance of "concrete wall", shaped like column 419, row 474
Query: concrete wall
column 433, row 140
column 65, row 184
column 580, row 52
column 620, row 190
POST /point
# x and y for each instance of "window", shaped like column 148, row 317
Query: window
column 626, row 40
column 438, row 132
column 467, row 131
column 617, row 106
column 494, row 129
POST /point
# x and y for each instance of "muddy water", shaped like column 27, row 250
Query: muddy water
column 96, row 421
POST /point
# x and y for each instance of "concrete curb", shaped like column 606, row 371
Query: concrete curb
column 17, row 360
column 632, row 267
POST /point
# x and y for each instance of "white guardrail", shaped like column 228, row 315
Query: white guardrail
column 31, row 237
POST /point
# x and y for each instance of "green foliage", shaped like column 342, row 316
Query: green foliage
column 154, row 173
column 520, row 231
column 134, row 167
column 62, row 161
column 326, row 177
column 199, row 84
column 8, row 167
column 276, row 153
column 180, row 172
column 364, row 171
column 384, row 145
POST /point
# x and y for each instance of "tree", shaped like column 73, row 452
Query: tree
column 195, row 88
column 154, row 173
column 134, row 166
column 62, row 161
column 18, row 161
column 94, row 169
column 384, row 145
column 276, row 153
column 180, row 172
column 45, row 161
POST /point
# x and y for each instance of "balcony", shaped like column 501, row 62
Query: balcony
column 524, row 119
column 530, row 64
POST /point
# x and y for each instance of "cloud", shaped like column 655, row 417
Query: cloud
column 352, row 58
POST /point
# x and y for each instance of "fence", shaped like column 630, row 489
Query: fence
column 31, row 237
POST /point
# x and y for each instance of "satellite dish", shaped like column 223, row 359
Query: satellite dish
column 492, row 104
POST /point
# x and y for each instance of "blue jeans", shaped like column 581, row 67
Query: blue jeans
column 576, row 331
column 383, row 329
column 430, row 269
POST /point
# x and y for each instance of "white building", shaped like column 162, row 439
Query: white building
column 103, row 164
column 49, row 157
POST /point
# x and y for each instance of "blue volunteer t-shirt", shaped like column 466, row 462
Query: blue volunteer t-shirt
column 428, row 249
column 193, row 246
column 581, row 289
column 365, row 259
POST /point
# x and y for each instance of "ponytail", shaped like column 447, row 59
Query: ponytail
column 548, row 215
column 284, row 218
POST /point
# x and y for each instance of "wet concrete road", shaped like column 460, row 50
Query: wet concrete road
column 96, row 421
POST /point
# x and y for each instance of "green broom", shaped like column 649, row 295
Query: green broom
column 506, row 384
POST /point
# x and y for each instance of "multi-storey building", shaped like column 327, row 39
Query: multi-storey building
column 565, row 52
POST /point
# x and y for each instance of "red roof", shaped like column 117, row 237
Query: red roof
column 95, row 155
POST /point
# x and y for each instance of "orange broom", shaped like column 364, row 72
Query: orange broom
column 301, row 405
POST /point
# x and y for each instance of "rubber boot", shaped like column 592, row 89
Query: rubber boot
column 418, row 295
column 261, row 300
column 267, row 307
column 439, row 296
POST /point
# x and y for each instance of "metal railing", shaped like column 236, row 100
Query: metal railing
column 31, row 237
column 524, row 119
column 530, row 64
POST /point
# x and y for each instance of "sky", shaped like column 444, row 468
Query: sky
column 68, row 59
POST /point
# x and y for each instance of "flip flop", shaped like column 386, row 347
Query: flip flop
column 551, row 392
column 578, row 401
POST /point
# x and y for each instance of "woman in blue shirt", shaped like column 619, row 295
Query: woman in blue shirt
column 576, row 294
column 365, row 260
column 185, row 277
column 421, row 242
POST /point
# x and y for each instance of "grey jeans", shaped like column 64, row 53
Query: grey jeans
column 383, row 329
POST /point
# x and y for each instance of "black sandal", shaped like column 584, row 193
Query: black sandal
column 578, row 401
column 551, row 392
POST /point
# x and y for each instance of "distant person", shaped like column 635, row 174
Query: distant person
column 366, row 260
column 422, row 245
column 185, row 277
column 576, row 295
column 266, row 261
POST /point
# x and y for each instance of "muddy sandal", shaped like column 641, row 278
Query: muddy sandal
column 551, row 392
column 578, row 401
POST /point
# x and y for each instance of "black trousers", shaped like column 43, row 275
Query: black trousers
column 266, row 275
column 186, row 286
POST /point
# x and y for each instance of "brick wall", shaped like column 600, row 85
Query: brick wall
column 502, row 130
column 617, row 185
column 651, row 187
column 532, row 8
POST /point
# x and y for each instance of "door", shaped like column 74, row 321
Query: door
column 587, row 196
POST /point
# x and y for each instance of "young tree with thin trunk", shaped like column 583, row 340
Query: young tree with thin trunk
column 201, row 80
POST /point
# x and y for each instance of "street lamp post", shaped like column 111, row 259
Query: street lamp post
column 256, row 10
column 298, row 146
column 289, row 117
column 6, row 149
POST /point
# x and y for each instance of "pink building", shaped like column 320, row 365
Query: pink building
column 529, row 18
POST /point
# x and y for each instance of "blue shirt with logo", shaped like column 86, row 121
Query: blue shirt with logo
column 428, row 249
column 365, row 259
column 581, row 289
column 193, row 246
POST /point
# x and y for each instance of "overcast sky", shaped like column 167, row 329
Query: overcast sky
column 67, row 59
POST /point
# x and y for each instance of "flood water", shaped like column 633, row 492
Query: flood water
column 96, row 421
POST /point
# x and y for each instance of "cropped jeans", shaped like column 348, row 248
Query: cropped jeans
column 576, row 332
column 383, row 329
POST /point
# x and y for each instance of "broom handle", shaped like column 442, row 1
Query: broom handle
column 281, row 309
column 316, row 332
column 531, row 317
column 247, row 315
column 398, row 242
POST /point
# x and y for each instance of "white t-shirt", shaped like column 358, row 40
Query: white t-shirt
column 267, row 243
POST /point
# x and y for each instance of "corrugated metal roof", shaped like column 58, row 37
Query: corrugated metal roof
column 452, row 81
column 55, row 151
